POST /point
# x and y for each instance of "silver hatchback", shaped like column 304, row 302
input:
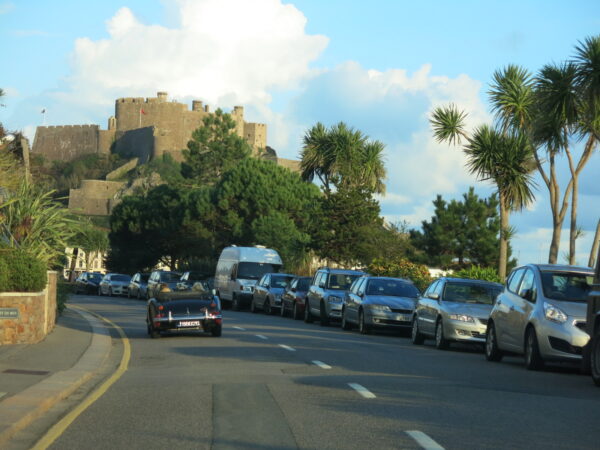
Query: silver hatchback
column 541, row 314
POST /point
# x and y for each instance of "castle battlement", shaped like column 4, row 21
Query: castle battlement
column 69, row 127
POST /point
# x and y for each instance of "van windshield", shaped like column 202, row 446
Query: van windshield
column 254, row 270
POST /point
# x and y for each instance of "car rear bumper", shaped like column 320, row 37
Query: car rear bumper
column 188, row 322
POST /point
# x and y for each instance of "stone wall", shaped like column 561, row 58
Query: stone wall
column 94, row 197
column 65, row 143
column 137, row 143
column 37, row 314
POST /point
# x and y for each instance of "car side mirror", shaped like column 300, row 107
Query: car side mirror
column 434, row 296
column 528, row 295
column 293, row 289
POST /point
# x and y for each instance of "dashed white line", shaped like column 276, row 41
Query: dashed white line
column 240, row 328
column 361, row 390
column 321, row 364
column 287, row 347
column 424, row 441
column 260, row 336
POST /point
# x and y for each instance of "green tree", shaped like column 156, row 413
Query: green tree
column 258, row 202
column 503, row 158
column 92, row 240
column 461, row 233
column 214, row 149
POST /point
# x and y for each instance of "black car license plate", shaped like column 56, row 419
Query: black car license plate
column 188, row 323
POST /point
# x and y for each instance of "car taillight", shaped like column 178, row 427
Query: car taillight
column 218, row 321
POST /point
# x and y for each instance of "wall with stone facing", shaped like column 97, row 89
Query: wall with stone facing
column 137, row 143
column 65, row 143
column 94, row 197
column 37, row 314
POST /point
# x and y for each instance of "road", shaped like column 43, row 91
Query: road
column 275, row 383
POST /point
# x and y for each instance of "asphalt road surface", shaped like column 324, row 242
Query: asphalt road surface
column 275, row 383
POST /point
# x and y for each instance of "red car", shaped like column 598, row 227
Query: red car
column 294, row 296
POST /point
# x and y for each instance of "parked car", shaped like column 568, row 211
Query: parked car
column 190, row 277
column 239, row 269
column 268, row 291
column 87, row 283
column 593, row 327
column 294, row 296
column 161, row 280
column 114, row 284
column 326, row 294
column 454, row 309
column 541, row 314
column 184, row 311
column 138, row 285
column 379, row 302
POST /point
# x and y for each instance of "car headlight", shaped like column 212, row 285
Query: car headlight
column 380, row 307
column 461, row 317
column 554, row 314
column 334, row 299
column 247, row 288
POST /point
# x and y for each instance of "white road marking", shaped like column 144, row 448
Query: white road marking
column 361, row 390
column 240, row 328
column 321, row 364
column 287, row 347
column 424, row 441
column 260, row 336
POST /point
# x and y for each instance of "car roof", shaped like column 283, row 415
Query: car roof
column 406, row 280
column 344, row 271
column 470, row 281
column 562, row 268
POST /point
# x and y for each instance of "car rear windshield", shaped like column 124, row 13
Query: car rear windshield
column 280, row 281
column 567, row 286
column 394, row 288
column 95, row 276
column 341, row 281
column 471, row 293
column 120, row 278
column 254, row 270
column 303, row 284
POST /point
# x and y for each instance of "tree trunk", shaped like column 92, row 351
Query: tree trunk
column 573, row 230
column 504, row 216
column 554, row 245
column 595, row 245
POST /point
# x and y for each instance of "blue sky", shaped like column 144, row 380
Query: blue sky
column 380, row 66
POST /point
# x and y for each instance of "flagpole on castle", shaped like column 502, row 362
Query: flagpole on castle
column 44, row 117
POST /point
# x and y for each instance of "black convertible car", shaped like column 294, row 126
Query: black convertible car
column 187, row 310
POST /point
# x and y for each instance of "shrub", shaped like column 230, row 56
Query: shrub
column 23, row 272
column 63, row 289
column 402, row 268
column 479, row 273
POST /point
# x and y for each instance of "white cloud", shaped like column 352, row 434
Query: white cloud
column 6, row 7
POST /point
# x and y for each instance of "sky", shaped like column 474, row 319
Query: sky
column 380, row 66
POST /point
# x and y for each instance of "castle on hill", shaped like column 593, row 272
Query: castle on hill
column 143, row 128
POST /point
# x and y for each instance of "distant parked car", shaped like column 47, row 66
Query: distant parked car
column 326, row 294
column 379, row 302
column 138, row 286
column 294, row 296
column 114, row 284
column 87, row 283
column 541, row 314
column 268, row 291
column 178, row 311
column 161, row 280
column 454, row 309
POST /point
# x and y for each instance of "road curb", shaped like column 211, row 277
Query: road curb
column 20, row 410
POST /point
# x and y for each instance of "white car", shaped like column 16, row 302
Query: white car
column 114, row 284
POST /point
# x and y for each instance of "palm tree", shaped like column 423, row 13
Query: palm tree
column 503, row 158
column 342, row 157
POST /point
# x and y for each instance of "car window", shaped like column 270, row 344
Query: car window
column 170, row 277
column 438, row 289
column 280, row 281
column 340, row 281
column 430, row 289
column 471, row 293
column 261, row 282
column 144, row 277
column 360, row 286
column 528, row 284
column 303, row 284
column 567, row 286
column 320, row 279
column 121, row 278
column 515, row 279
column 394, row 288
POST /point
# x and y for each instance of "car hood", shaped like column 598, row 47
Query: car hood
column 276, row 290
column 469, row 309
column 392, row 302
column 572, row 309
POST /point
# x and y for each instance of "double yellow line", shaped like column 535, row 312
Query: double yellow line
column 59, row 428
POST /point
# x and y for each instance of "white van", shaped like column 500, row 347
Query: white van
column 239, row 269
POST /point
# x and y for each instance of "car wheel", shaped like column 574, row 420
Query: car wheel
column 440, row 341
column 323, row 319
column 139, row 295
column 492, row 352
column 533, row 359
column 308, row 318
column 153, row 332
column 99, row 290
column 345, row 324
column 235, row 303
column 415, row 334
column 252, row 306
column 110, row 292
column 282, row 309
column 216, row 330
column 595, row 358
column 296, row 313
column 363, row 328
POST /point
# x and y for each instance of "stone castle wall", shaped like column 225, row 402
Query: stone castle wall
column 65, row 143
column 137, row 143
column 94, row 197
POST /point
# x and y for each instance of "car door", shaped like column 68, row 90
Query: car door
column 354, row 300
column 505, row 305
column 287, row 299
column 519, row 313
column 313, row 293
column 428, row 308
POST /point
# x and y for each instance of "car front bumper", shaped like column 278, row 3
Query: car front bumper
column 458, row 330
column 562, row 341
column 388, row 319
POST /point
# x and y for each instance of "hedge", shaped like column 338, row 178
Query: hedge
column 402, row 268
column 21, row 272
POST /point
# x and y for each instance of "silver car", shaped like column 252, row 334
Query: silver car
column 114, row 284
column 541, row 314
column 454, row 309
column 379, row 302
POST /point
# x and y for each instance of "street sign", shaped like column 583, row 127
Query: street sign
column 9, row 313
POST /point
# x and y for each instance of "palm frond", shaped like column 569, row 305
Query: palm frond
column 448, row 124
column 511, row 95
